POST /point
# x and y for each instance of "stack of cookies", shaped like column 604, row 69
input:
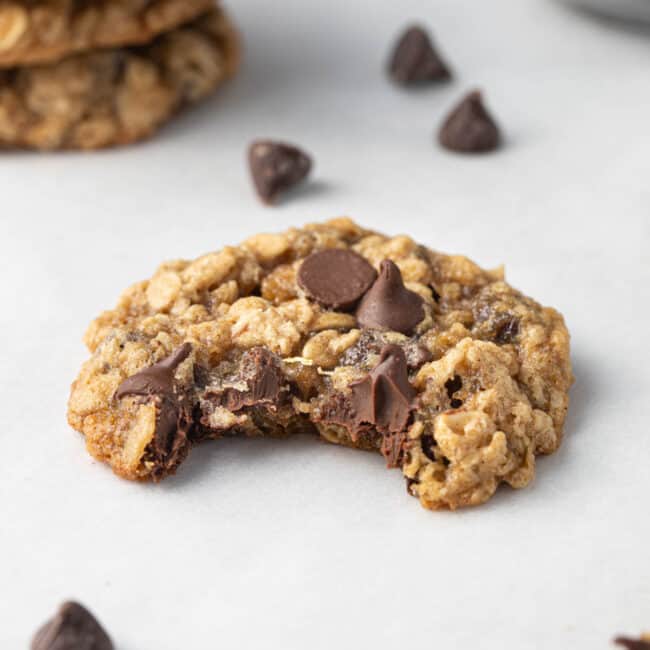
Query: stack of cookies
column 86, row 74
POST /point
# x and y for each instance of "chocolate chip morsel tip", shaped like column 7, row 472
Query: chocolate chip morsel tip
column 276, row 167
column 72, row 628
column 470, row 128
column 336, row 277
column 415, row 61
column 389, row 304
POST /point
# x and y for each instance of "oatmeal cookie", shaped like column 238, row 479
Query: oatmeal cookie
column 42, row 31
column 114, row 97
column 368, row 341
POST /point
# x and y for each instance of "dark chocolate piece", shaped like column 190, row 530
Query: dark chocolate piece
column 156, row 379
column 469, row 128
column 276, row 167
column 389, row 304
column 414, row 59
column 170, row 444
column 261, row 372
column 384, row 398
column 72, row 628
column 632, row 644
column 508, row 331
column 453, row 385
column 336, row 277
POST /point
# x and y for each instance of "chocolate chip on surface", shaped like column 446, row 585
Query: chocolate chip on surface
column 632, row 644
column 388, row 304
column 414, row 59
column 336, row 277
column 385, row 398
column 276, row 167
column 469, row 128
column 72, row 628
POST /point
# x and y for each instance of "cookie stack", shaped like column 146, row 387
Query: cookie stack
column 87, row 74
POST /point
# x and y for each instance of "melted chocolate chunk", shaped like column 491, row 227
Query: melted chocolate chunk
column 392, row 448
column 261, row 373
column 170, row 443
column 276, row 167
column 469, row 128
column 508, row 331
column 632, row 644
column 336, row 277
column 388, row 304
column 379, row 407
column 385, row 398
column 414, row 59
column 157, row 379
column 72, row 628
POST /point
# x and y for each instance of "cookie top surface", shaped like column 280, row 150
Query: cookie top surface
column 42, row 31
column 115, row 96
column 461, row 402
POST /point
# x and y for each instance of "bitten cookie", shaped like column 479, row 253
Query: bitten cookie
column 369, row 341
column 42, row 31
column 113, row 97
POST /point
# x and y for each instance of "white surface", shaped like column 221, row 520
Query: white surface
column 260, row 544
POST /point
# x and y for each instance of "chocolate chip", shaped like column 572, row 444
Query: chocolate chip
column 469, row 127
column 156, row 379
column 260, row 372
column 453, row 385
column 276, row 167
column 336, row 277
column 170, row 443
column 632, row 644
column 384, row 397
column 392, row 448
column 414, row 59
column 434, row 293
column 508, row 331
column 388, row 304
column 72, row 628
column 427, row 443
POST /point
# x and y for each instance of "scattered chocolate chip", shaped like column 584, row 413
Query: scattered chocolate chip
column 72, row 628
column 434, row 293
column 508, row 331
column 388, row 304
column 336, row 277
column 384, row 398
column 276, row 167
column 170, row 444
column 262, row 375
column 632, row 644
column 414, row 59
column 469, row 127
